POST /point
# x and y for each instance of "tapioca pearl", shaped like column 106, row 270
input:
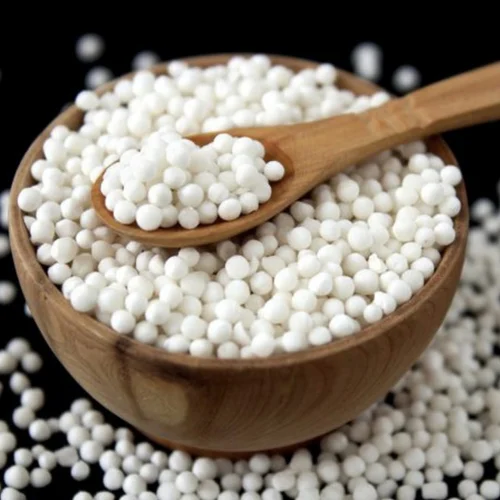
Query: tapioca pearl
column 355, row 305
column 218, row 192
column 359, row 238
column 274, row 170
column 451, row 206
column 122, row 321
column 29, row 199
column 304, row 300
column 347, row 190
column 148, row 217
column 286, row 280
column 444, row 234
column 372, row 313
column 308, row 266
column 188, row 218
column 293, row 341
column 351, row 264
column 228, row 310
column 191, row 195
column 366, row 281
column 362, row 207
column 229, row 209
column 451, row 175
column 275, row 310
column 399, row 290
column 385, row 301
column 124, row 212
column 406, row 196
column 414, row 279
column 133, row 190
column 404, row 229
column 343, row 287
column 111, row 300
column 66, row 228
column 237, row 267
column 299, row 238
column 84, row 298
column 261, row 283
column 321, row 284
column 432, row 193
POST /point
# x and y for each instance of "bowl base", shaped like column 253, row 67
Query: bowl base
column 233, row 455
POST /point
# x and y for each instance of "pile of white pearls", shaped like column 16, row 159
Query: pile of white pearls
column 437, row 437
column 174, row 181
column 345, row 256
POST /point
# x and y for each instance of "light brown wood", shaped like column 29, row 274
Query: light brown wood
column 234, row 406
column 315, row 151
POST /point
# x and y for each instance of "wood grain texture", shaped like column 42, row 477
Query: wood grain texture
column 315, row 151
column 233, row 406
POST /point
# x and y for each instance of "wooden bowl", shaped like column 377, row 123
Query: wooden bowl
column 228, row 407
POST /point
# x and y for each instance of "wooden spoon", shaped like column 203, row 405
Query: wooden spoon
column 314, row 152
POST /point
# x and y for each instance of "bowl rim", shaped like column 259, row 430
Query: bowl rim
column 154, row 356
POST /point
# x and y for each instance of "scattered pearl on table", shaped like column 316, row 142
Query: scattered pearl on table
column 16, row 477
column 8, row 292
column 366, row 59
column 89, row 47
column 406, row 78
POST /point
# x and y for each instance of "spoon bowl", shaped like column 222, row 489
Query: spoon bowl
column 178, row 237
column 233, row 407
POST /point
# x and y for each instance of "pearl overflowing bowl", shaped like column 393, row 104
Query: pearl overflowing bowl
column 234, row 406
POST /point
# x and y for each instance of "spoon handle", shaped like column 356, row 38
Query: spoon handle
column 327, row 147
column 460, row 101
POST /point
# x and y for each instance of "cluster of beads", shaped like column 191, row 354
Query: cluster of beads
column 173, row 181
column 346, row 255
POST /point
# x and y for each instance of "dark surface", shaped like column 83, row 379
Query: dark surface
column 40, row 73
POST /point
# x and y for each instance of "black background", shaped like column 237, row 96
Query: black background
column 40, row 73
